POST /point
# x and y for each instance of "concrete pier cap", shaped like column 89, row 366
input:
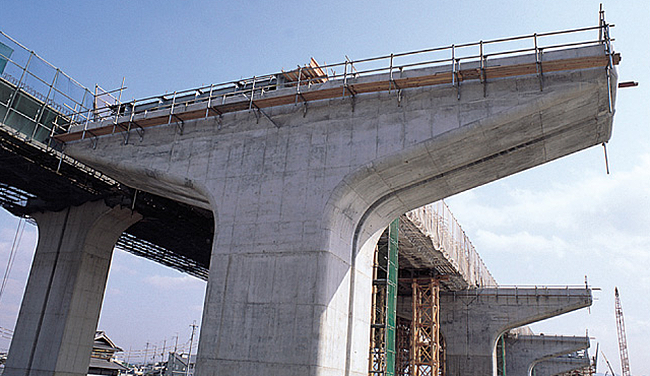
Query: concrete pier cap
column 472, row 320
column 561, row 365
column 299, row 202
column 524, row 352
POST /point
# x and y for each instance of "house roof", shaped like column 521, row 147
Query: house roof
column 105, row 364
column 102, row 342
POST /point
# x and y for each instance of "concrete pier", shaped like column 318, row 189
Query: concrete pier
column 471, row 321
column 299, row 200
column 524, row 352
column 64, row 294
column 560, row 365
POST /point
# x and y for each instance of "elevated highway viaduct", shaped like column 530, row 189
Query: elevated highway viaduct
column 316, row 179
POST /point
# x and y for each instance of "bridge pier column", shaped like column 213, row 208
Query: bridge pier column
column 283, row 309
column 524, row 351
column 472, row 320
column 65, row 290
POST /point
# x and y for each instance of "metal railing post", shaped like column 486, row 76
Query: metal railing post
column 390, row 73
column 345, row 77
column 18, row 86
column 538, row 63
column 250, row 104
column 171, row 110
column 207, row 109
column 39, row 114
column 453, row 65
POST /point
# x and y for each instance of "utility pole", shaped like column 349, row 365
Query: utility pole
column 176, row 344
column 189, row 358
column 146, row 351
column 162, row 354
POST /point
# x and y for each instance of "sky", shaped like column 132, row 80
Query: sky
column 551, row 225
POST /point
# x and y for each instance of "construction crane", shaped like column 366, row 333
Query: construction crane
column 622, row 340
column 608, row 365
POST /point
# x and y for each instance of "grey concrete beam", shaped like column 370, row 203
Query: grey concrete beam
column 65, row 290
column 471, row 321
column 560, row 365
column 523, row 352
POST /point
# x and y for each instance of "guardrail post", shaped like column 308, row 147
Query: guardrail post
column 345, row 77
column 390, row 73
column 482, row 66
column 10, row 103
column 207, row 109
column 538, row 63
column 610, row 64
column 250, row 104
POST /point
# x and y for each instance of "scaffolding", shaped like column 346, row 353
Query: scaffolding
column 384, row 311
column 425, row 337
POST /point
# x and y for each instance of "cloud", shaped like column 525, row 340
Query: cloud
column 609, row 212
column 174, row 283
column 523, row 242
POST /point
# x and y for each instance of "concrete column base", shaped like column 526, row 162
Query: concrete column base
column 287, row 313
column 64, row 294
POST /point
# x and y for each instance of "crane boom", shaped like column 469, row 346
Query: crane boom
column 622, row 340
column 608, row 365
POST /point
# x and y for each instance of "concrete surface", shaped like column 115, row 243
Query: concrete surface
column 524, row 352
column 65, row 290
column 560, row 365
column 298, row 206
column 471, row 321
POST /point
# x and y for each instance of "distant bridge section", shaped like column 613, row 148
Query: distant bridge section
column 432, row 238
column 37, row 100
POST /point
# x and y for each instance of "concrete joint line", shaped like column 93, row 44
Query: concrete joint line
column 47, row 293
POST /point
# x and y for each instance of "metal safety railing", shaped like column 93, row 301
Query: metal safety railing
column 440, row 225
column 37, row 98
column 250, row 90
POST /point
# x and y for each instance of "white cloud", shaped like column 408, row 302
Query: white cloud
column 523, row 242
column 175, row 283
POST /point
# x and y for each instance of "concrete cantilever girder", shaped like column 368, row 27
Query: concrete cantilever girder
column 560, row 365
column 523, row 352
column 472, row 320
column 293, row 298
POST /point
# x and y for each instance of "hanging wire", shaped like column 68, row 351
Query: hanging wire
column 12, row 254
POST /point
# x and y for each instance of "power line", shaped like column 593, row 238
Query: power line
column 12, row 254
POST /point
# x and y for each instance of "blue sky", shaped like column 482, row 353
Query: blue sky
column 550, row 225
